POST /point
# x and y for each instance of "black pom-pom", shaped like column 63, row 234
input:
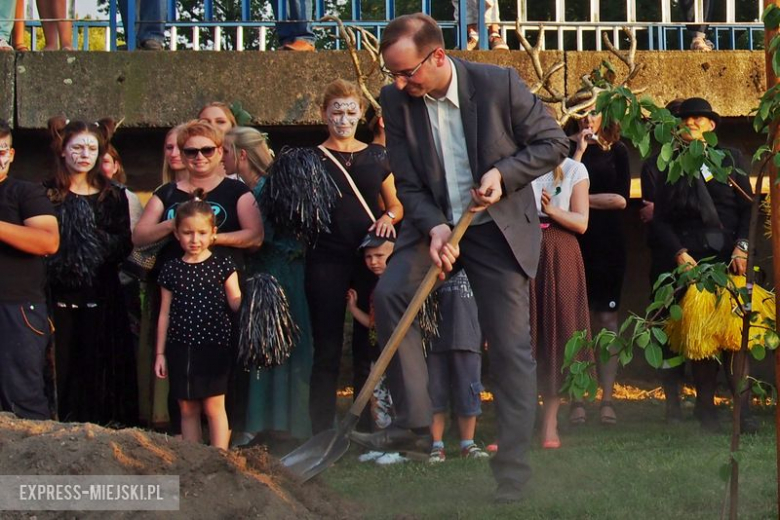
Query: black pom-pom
column 299, row 194
column 81, row 251
column 267, row 331
column 429, row 317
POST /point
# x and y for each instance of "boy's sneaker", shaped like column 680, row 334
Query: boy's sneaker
column 4, row 46
column 437, row 455
column 472, row 451
column 370, row 456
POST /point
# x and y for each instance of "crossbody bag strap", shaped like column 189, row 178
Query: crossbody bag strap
column 350, row 181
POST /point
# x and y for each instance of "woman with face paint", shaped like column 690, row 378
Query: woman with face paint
column 95, row 360
column 333, row 266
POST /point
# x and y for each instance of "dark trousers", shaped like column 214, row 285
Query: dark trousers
column 327, row 282
column 705, row 377
column 501, row 291
column 688, row 9
column 24, row 334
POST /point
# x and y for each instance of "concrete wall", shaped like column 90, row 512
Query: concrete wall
column 159, row 90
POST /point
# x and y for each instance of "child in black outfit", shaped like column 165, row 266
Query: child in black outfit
column 193, row 334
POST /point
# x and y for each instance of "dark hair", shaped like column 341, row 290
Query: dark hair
column 424, row 31
column 120, row 175
column 197, row 205
column 5, row 131
column 62, row 131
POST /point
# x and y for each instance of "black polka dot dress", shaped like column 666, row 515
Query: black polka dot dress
column 198, row 348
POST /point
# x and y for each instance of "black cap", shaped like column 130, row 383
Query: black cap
column 697, row 107
column 372, row 240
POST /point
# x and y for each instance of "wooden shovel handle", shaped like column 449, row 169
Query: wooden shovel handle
column 407, row 319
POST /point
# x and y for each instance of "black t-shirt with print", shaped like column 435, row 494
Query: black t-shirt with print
column 224, row 202
column 199, row 313
column 22, row 275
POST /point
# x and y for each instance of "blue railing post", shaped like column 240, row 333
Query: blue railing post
column 390, row 9
column 130, row 25
column 208, row 10
column 246, row 11
column 111, row 24
column 319, row 9
column 483, row 34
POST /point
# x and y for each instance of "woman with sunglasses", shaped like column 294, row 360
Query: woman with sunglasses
column 239, row 225
column 238, row 219
column 333, row 266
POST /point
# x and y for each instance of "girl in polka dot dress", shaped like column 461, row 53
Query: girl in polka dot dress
column 193, row 336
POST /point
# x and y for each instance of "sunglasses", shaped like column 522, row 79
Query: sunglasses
column 192, row 153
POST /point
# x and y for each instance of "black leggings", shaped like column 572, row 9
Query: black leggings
column 328, row 277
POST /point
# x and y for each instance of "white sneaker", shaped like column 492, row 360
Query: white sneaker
column 390, row 458
column 4, row 46
column 369, row 456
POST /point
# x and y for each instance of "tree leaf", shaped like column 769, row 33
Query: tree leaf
column 672, row 362
column 666, row 151
column 758, row 352
column 643, row 339
column 675, row 312
column 625, row 356
column 654, row 355
column 771, row 340
column 660, row 335
column 711, row 138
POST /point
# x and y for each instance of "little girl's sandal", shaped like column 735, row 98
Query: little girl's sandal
column 607, row 414
column 577, row 414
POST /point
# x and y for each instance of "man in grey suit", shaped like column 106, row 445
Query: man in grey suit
column 459, row 131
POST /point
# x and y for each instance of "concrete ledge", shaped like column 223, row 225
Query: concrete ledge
column 732, row 81
column 7, row 86
column 163, row 89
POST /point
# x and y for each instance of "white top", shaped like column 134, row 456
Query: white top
column 573, row 173
column 450, row 141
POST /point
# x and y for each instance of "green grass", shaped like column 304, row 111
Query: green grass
column 640, row 469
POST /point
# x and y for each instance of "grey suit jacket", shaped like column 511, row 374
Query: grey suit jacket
column 505, row 126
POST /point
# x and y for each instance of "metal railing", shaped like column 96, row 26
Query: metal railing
column 666, row 31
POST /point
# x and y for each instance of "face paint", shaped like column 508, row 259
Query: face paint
column 343, row 115
column 81, row 153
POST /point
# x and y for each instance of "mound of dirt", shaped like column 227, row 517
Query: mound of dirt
column 213, row 484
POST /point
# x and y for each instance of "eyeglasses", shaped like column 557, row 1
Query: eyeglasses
column 404, row 74
column 192, row 153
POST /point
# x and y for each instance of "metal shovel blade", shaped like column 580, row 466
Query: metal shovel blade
column 319, row 453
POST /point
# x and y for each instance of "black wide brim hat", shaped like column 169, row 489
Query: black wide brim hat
column 697, row 107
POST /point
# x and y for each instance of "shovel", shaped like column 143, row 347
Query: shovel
column 324, row 449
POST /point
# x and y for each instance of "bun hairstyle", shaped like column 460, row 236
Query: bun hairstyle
column 197, row 205
column 62, row 131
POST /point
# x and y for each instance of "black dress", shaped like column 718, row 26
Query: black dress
column 603, row 245
column 95, row 359
column 333, row 265
column 198, row 347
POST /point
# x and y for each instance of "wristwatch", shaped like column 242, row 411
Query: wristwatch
column 742, row 245
column 390, row 214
